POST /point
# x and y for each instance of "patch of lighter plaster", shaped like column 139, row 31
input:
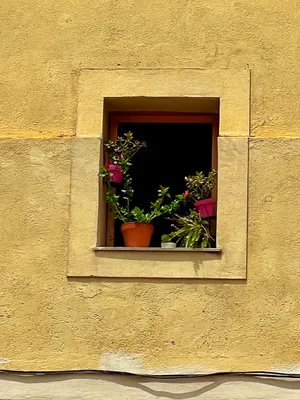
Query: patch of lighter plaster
column 116, row 361
column 4, row 360
column 288, row 369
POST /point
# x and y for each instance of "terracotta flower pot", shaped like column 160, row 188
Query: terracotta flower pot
column 116, row 173
column 137, row 234
column 205, row 207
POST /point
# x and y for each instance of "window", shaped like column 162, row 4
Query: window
column 101, row 92
column 169, row 156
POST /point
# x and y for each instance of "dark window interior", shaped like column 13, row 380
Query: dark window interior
column 174, row 150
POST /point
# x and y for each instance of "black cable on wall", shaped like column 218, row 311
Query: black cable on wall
column 261, row 374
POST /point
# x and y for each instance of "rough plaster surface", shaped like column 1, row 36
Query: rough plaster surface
column 60, row 323
column 50, row 322
column 38, row 90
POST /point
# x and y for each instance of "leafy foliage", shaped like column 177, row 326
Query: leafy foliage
column 191, row 231
column 125, row 147
column 121, row 204
column 166, row 238
column 200, row 186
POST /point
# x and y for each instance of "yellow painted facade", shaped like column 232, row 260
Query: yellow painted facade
column 51, row 321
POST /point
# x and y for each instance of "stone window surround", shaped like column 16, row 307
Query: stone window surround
column 232, row 88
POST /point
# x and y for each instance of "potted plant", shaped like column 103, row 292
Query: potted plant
column 199, row 187
column 191, row 231
column 166, row 242
column 124, row 147
column 136, row 227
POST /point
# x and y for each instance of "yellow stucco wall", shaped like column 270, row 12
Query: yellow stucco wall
column 50, row 322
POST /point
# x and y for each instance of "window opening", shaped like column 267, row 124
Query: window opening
column 174, row 150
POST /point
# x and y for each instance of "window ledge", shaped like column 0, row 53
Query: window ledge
column 159, row 249
column 156, row 262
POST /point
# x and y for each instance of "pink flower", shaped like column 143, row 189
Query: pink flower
column 186, row 194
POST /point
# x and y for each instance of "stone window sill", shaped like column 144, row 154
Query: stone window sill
column 156, row 263
column 159, row 249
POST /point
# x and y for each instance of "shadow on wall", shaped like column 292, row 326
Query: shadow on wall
column 156, row 281
column 122, row 387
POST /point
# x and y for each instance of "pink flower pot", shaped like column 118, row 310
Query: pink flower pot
column 205, row 207
column 116, row 174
